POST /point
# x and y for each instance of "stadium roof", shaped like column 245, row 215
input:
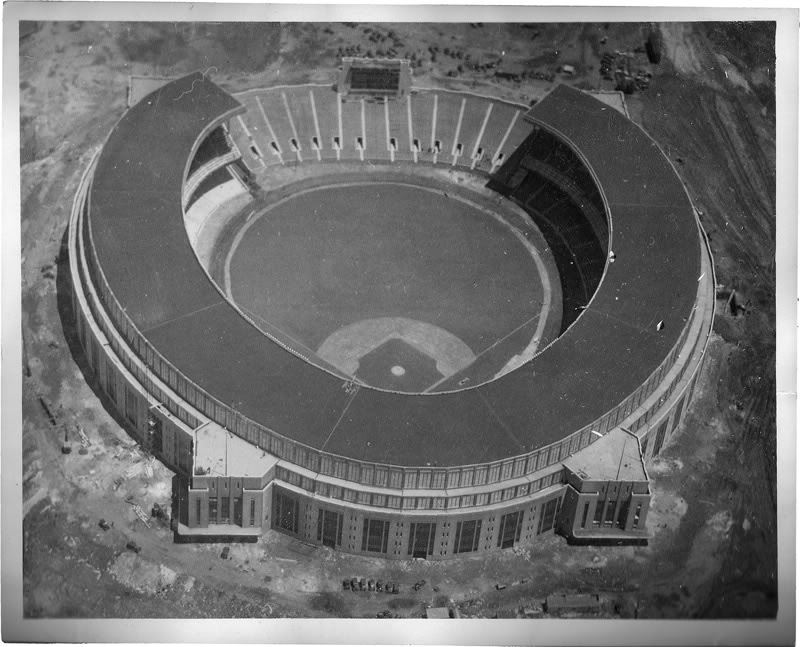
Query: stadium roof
column 137, row 227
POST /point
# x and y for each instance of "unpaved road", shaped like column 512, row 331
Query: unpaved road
column 713, row 554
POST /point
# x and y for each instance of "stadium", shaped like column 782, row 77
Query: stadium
column 390, row 320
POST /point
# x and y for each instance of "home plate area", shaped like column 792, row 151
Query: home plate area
column 396, row 354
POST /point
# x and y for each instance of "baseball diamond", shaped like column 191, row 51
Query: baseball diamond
column 459, row 324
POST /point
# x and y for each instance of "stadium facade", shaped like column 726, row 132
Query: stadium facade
column 261, row 435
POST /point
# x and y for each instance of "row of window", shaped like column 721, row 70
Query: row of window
column 375, row 532
column 379, row 500
column 610, row 513
column 219, row 510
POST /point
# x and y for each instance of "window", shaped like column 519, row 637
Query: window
column 468, row 533
column 95, row 358
column 611, row 509
column 287, row 512
column 199, row 503
column 510, row 529
column 395, row 479
column 156, row 434
column 585, row 514
column 637, row 515
column 225, row 513
column 111, row 381
column 678, row 412
column 329, row 528
column 252, row 512
column 548, row 517
column 185, row 457
column 212, row 509
column 662, row 428
column 420, row 539
column 130, row 405
column 622, row 516
column 375, row 536
column 598, row 512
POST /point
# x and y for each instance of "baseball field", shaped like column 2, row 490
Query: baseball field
column 415, row 281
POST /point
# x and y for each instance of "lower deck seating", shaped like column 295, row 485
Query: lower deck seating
column 213, row 146
column 471, row 131
column 214, row 179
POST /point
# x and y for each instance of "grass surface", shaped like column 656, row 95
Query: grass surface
column 335, row 256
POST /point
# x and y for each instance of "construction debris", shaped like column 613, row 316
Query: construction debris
column 141, row 514
column 82, row 435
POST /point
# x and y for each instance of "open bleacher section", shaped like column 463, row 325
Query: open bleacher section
column 299, row 104
column 316, row 124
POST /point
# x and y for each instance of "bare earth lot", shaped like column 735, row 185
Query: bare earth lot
column 711, row 107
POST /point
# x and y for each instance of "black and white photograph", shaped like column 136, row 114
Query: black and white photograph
column 395, row 315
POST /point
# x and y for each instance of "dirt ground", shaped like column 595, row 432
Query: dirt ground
column 713, row 554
